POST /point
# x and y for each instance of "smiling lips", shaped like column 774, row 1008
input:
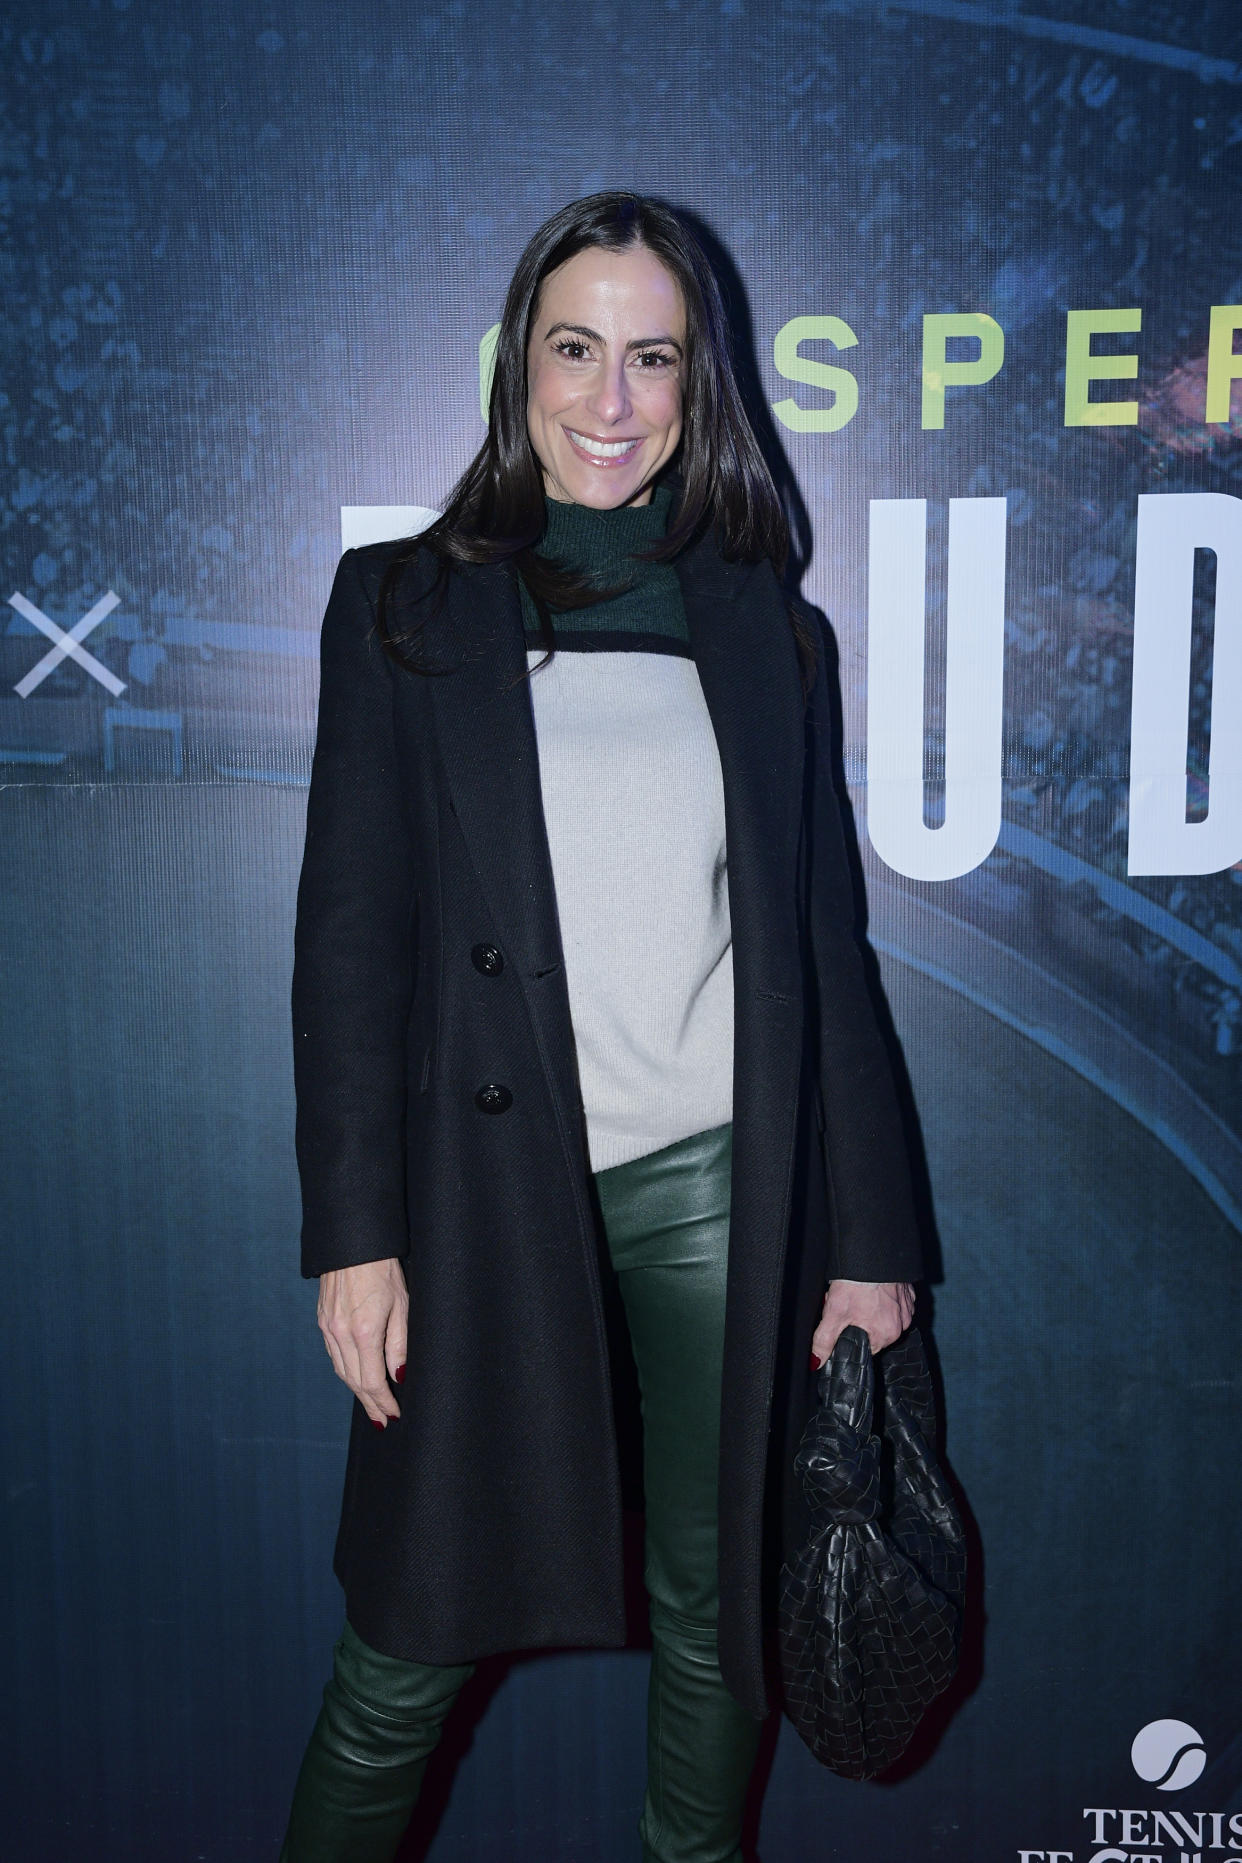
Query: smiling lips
column 603, row 452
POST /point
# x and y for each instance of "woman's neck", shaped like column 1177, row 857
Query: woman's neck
column 589, row 537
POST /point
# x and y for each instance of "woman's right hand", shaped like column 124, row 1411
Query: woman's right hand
column 363, row 1312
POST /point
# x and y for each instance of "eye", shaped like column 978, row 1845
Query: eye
column 650, row 361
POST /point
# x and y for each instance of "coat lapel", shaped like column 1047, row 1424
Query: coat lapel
column 747, row 663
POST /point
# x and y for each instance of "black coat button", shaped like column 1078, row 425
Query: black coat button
column 493, row 1098
column 487, row 958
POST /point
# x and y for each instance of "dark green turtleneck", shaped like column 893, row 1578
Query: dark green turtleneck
column 649, row 616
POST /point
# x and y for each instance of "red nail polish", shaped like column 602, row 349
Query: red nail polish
column 377, row 1425
column 399, row 1374
column 816, row 1362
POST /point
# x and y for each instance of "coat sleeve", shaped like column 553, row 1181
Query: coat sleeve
column 352, row 965
column 877, row 1233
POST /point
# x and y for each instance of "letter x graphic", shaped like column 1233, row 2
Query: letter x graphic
column 68, row 645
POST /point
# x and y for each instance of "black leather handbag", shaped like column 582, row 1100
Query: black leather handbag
column 870, row 1613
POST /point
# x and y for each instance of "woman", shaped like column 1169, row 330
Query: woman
column 551, row 1052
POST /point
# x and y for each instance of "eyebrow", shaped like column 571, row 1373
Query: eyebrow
column 638, row 342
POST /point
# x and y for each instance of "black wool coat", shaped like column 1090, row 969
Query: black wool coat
column 439, row 1120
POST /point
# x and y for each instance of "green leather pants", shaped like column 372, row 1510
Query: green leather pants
column 666, row 1221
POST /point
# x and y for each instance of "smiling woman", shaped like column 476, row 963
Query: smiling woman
column 570, row 1017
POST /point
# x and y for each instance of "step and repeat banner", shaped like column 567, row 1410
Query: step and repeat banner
column 985, row 272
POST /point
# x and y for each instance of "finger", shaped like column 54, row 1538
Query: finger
column 373, row 1390
column 902, row 1312
column 395, row 1341
column 334, row 1353
column 825, row 1337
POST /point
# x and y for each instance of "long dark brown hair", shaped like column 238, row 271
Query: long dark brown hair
column 495, row 512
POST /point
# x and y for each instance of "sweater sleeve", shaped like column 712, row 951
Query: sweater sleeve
column 877, row 1234
column 352, row 966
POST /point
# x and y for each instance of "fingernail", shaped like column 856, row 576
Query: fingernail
column 399, row 1374
column 815, row 1362
column 377, row 1425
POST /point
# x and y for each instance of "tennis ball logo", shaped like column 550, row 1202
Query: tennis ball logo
column 1168, row 1754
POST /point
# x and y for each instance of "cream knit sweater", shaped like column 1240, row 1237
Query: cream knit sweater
column 634, row 810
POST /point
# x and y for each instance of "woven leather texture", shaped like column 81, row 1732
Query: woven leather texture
column 870, row 1613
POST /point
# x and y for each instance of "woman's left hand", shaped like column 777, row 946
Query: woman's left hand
column 882, row 1308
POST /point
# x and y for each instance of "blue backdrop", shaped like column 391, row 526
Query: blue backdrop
column 251, row 258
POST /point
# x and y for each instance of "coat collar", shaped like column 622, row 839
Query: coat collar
column 746, row 657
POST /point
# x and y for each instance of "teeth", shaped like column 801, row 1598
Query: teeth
column 603, row 449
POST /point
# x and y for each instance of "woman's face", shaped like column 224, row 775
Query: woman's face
column 604, row 374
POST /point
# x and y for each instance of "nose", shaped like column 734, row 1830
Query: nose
column 609, row 399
